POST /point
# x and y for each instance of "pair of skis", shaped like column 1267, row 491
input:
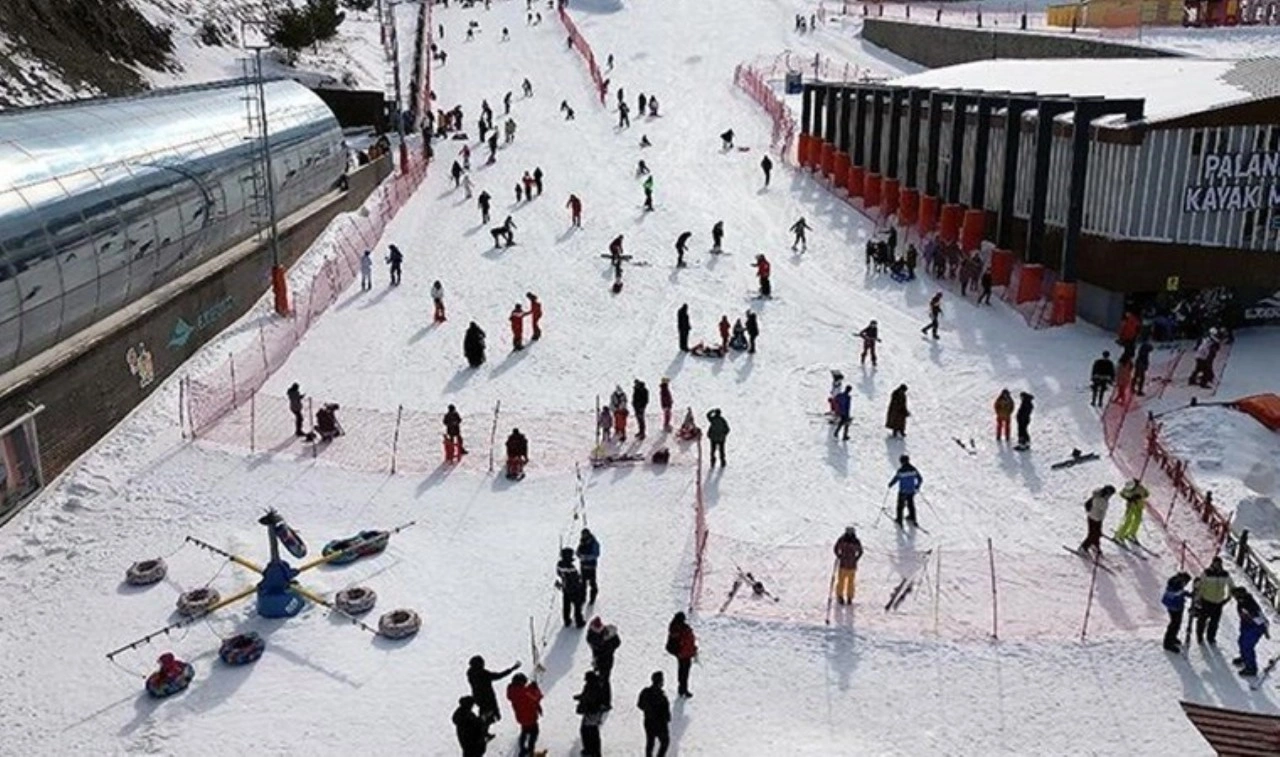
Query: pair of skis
column 1091, row 558
column 745, row 577
column 892, row 517
column 908, row 583
column 972, row 449
column 1133, row 547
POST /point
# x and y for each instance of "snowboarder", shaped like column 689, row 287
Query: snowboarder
column 575, row 211
column 517, row 455
column 526, row 704
column 762, row 273
column 1253, row 626
column 682, row 246
column 453, row 433
column 717, row 236
column 535, row 315
column 897, row 414
column 437, row 299
column 766, row 165
column 517, row 328
column 935, row 311
column 666, row 402
column 483, row 201
column 618, row 403
column 848, row 550
column 682, row 326
column 799, row 228
column 604, row 642
column 1004, row 413
column 591, row 708
column 724, row 333
column 1135, row 496
column 1096, row 511
column 717, row 432
column 473, row 733
column 481, row 681
column 1212, row 592
column 395, row 259
column 1175, row 602
column 537, row 179
column 1140, row 365
column 843, row 405
column 588, row 557
column 656, row 707
column 648, row 192
column 726, row 140
column 639, row 402
column 683, row 645
column 1101, row 376
column 572, row 591
column 869, row 336
column 473, row 345
column 909, row 482
column 753, row 331
column 295, row 396
column 366, row 271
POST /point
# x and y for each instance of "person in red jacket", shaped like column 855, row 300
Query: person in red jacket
column 526, row 703
column 724, row 333
column 683, row 645
column 762, row 273
column 575, row 210
column 517, row 328
column 535, row 315
column 664, row 399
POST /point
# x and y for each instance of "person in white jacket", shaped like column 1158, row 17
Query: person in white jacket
column 366, row 271
column 466, row 185
column 1096, row 509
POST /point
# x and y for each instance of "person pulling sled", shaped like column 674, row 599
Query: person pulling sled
column 517, row 455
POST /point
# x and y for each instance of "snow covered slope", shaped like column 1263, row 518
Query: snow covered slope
column 774, row 678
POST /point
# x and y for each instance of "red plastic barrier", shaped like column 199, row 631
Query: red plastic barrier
column 826, row 159
column 1064, row 303
column 972, row 228
column 871, row 192
column 840, row 175
column 857, row 180
column 755, row 84
column 1030, row 280
column 889, row 197
column 928, row 213
column 949, row 222
column 908, row 207
column 1001, row 267
column 580, row 43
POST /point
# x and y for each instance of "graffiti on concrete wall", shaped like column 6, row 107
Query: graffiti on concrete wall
column 141, row 365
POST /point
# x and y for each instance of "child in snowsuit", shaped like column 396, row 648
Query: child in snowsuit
column 618, row 403
column 1175, row 601
column 869, row 336
column 1004, row 412
column 665, row 400
column 1253, row 626
column 848, row 551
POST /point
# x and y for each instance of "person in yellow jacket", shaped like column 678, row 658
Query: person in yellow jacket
column 1135, row 496
column 1004, row 412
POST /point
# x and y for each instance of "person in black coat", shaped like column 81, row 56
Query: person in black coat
column 591, row 708
column 1023, row 418
column 656, row 707
column 453, row 428
column 473, row 735
column 682, row 326
column 573, row 592
column 604, row 643
column 481, row 681
column 639, row 401
column 1101, row 376
column 473, row 345
column 295, row 396
column 753, row 331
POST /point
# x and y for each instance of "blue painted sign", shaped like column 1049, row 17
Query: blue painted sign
column 183, row 331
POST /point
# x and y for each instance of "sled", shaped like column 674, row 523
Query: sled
column 607, row 460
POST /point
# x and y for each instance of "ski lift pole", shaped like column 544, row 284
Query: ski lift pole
column 991, row 556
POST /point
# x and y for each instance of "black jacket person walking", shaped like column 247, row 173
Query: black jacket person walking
column 766, row 165
column 295, row 406
column 682, row 326
column 717, row 432
column 656, row 707
column 481, row 681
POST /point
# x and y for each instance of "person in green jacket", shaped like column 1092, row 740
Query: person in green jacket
column 717, row 430
column 1135, row 496
column 1212, row 591
column 648, row 192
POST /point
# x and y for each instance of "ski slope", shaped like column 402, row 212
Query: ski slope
column 479, row 562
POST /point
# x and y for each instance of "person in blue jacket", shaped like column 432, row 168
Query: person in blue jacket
column 1253, row 626
column 1175, row 601
column 844, row 404
column 588, row 557
column 908, row 480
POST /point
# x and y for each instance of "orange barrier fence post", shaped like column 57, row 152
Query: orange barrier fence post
column 949, row 222
column 1001, row 267
column 928, row 213
column 908, row 206
column 889, row 196
column 1029, row 281
column 871, row 192
column 857, row 180
column 1064, row 303
column 971, row 229
column 840, row 174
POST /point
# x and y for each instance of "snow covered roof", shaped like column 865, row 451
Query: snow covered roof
column 1171, row 87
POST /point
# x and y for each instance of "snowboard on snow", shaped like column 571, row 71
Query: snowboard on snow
column 971, row 449
column 1076, row 458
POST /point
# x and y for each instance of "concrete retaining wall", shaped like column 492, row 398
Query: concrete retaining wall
column 936, row 46
column 89, row 383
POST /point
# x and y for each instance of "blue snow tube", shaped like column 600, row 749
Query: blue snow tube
column 161, row 689
column 242, row 649
column 346, row 547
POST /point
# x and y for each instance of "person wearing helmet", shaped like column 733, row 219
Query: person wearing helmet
column 848, row 550
column 1135, row 496
column 909, row 482
column 837, row 386
column 869, row 336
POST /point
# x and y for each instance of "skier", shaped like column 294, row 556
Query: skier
column 897, row 414
column 935, row 311
column 604, row 642
column 682, row 326
column 456, row 172
column 985, row 283
column 909, row 482
column 682, row 246
column 717, row 432
column 848, row 550
column 591, row 708
column 473, row 345
column 526, row 704
column 869, row 336
column 1212, row 592
column 588, row 557
column 766, row 165
column 1175, row 601
column 1096, row 510
column 509, row 131
column 537, row 179
column 517, row 455
column 605, row 423
column 506, row 103
column 1140, row 365
column 467, row 186
column 656, row 707
column 717, row 236
column 624, row 114
column 394, row 259
column 762, row 273
column 527, row 86
column 1135, row 496
column 1253, row 626
column 295, row 396
column 724, row 333
column 575, row 211
column 643, row 102
column 568, row 580
column 437, row 299
column 535, row 315
column 366, row 271
column 453, row 432
column 1004, row 413
column 483, row 201
column 639, row 402
column 1101, row 376
column 799, row 228
column 726, row 140
column 517, row 328
column 481, row 681
column 648, row 192
column 753, row 331
column 1025, row 406
column 683, row 645
column 473, row 733
column 665, row 401
column 843, row 405
column 618, row 403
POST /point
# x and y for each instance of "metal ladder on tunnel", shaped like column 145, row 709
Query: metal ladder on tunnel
column 257, row 193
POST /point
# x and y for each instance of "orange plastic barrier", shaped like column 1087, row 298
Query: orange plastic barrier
column 949, row 223
column 826, row 155
column 857, row 180
column 908, row 207
column 1001, row 267
column 972, row 228
column 928, row 213
column 1064, row 303
column 890, row 196
column 840, row 174
column 871, row 193
column 1029, row 282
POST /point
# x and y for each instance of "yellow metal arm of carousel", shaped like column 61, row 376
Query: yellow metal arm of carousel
column 237, row 559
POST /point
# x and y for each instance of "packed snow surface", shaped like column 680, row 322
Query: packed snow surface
column 477, row 565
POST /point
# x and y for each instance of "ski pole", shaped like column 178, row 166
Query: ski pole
column 884, row 501
column 831, row 587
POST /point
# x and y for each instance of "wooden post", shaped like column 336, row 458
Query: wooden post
column 182, row 396
column 1088, row 608
column 253, row 421
column 231, row 361
column 314, row 441
column 395, row 439
column 995, row 615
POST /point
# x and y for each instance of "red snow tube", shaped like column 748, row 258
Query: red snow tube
column 1263, row 407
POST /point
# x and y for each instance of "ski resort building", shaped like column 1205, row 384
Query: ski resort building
column 1172, row 191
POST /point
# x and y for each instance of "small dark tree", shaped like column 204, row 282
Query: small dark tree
column 358, row 5
column 295, row 28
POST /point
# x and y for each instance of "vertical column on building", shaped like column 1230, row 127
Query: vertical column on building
column 952, row 210
column 1002, row 257
column 1032, row 277
column 806, row 125
column 872, row 191
column 831, row 113
column 909, row 196
column 858, row 169
column 974, row 224
column 929, row 201
column 891, row 191
column 840, row 174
